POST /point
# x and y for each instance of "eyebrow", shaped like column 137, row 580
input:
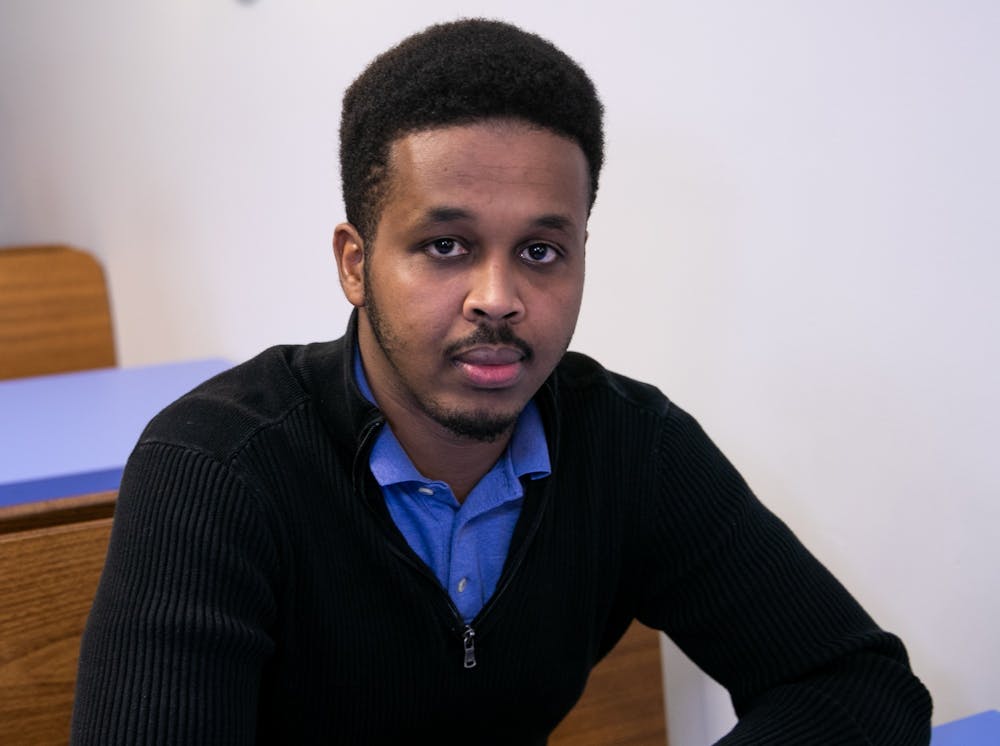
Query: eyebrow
column 437, row 215
column 556, row 222
column 446, row 215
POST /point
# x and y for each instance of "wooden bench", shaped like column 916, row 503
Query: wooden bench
column 48, row 576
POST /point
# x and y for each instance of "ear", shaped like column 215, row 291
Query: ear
column 349, row 250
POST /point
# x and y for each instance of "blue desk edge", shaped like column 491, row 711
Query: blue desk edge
column 49, row 488
column 982, row 729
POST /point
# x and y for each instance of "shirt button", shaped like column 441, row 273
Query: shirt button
column 461, row 585
column 425, row 490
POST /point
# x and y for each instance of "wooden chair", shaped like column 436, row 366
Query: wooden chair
column 54, row 312
column 54, row 317
column 48, row 577
column 623, row 702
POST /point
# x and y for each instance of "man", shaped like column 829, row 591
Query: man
column 431, row 529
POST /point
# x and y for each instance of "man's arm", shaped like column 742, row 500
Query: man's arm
column 176, row 639
column 737, row 591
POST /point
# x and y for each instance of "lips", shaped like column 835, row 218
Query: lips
column 491, row 367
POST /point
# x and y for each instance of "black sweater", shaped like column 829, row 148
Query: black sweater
column 256, row 590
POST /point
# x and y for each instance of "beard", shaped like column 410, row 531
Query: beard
column 482, row 425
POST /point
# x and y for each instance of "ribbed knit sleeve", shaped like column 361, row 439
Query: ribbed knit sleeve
column 177, row 636
column 745, row 600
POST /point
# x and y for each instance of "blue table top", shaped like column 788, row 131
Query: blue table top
column 979, row 730
column 71, row 433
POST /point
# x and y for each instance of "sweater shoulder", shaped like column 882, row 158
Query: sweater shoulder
column 581, row 376
column 221, row 414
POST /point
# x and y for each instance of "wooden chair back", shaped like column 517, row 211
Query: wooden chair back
column 54, row 312
column 48, row 577
column 623, row 703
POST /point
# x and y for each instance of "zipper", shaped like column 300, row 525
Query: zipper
column 469, row 645
column 507, row 577
column 544, row 403
column 367, row 435
column 468, row 633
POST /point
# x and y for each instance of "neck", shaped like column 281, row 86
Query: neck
column 441, row 455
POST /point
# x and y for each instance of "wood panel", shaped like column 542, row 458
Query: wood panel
column 54, row 312
column 48, row 578
column 57, row 511
column 623, row 702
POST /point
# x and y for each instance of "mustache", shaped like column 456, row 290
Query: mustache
column 486, row 334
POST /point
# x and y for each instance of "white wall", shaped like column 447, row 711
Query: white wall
column 796, row 238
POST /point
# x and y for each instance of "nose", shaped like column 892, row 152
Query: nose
column 493, row 295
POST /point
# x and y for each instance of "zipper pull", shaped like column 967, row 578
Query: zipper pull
column 469, row 643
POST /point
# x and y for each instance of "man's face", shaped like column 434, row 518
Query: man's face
column 472, row 288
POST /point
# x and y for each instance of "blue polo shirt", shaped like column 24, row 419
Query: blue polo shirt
column 466, row 544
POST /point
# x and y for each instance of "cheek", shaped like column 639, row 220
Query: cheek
column 422, row 315
column 561, row 302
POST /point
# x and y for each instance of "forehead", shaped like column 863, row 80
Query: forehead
column 492, row 158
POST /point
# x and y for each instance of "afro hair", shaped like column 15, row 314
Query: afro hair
column 453, row 74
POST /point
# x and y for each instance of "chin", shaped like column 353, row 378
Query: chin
column 482, row 425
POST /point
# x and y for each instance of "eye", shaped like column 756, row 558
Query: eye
column 442, row 247
column 540, row 253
